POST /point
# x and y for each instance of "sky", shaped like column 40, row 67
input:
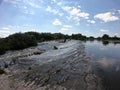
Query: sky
column 88, row 17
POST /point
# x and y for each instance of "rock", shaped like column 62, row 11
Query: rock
column 66, row 68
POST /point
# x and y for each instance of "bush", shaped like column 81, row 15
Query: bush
column 17, row 41
column 29, row 68
column 3, row 45
column 6, row 65
column 20, row 41
column 2, row 71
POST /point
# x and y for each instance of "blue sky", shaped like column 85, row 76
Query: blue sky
column 89, row 17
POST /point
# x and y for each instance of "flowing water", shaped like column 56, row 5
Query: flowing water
column 107, row 60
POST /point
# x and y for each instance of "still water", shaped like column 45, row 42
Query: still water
column 107, row 62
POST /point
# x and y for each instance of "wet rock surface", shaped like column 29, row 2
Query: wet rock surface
column 66, row 68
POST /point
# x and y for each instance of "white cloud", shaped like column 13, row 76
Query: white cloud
column 29, row 12
column 104, row 30
column 116, row 34
column 24, row 2
column 5, row 28
column 91, row 21
column 25, row 5
column 67, row 8
column 106, row 17
column 13, row 26
column 49, row 9
column 59, row 3
column 77, row 24
column 83, row 15
column 41, row 1
column 32, row 13
column 75, row 14
column 79, row 6
column 54, row 11
column 65, row 28
column 53, row 1
column 75, row 19
column 12, row 1
column 34, row 30
column 119, row 11
column 32, row 4
column 4, row 32
column 60, row 14
column 57, row 22
column 75, row 11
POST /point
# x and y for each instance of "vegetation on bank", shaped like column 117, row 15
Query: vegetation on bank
column 2, row 71
column 19, row 41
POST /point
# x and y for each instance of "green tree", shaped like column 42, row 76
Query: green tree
column 105, row 37
column 20, row 41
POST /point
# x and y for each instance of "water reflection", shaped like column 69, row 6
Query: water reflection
column 100, row 50
column 106, row 63
column 103, row 48
column 106, row 56
column 105, row 42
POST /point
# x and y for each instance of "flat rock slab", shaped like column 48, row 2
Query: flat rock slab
column 65, row 68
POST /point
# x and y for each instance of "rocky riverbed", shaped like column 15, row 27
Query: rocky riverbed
column 51, row 65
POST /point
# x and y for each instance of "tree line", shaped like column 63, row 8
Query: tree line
column 19, row 41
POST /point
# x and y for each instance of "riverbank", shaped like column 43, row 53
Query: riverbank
column 68, row 67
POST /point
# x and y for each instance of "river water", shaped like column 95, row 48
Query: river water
column 107, row 60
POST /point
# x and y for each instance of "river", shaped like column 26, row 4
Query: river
column 107, row 60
